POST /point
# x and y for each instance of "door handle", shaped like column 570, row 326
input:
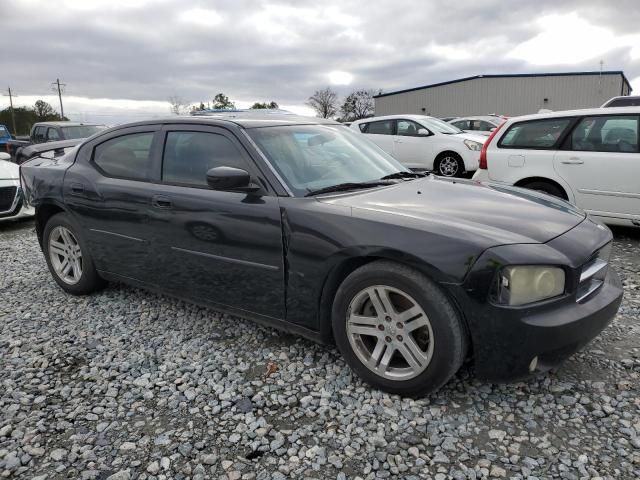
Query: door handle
column 160, row 201
column 77, row 188
column 572, row 161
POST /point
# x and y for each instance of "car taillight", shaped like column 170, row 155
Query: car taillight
column 483, row 152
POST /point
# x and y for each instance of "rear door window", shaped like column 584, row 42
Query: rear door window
column 53, row 134
column 606, row 134
column 127, row 156
column 535, row 134
column 382, row 127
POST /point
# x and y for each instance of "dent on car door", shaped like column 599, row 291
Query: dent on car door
column 222, row 247
column 108, row 190
column 601, row 161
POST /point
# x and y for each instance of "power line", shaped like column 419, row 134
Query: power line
column 60, row 87
column 13, row 116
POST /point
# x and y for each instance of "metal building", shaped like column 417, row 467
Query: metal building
column 516, row 94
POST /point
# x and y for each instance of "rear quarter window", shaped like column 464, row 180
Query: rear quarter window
column 535, row 134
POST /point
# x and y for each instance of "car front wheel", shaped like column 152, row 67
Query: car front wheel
column 397, row 329
column 68, row 258
column 449, row 165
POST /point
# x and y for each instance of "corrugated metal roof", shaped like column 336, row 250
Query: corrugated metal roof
column 510, row 75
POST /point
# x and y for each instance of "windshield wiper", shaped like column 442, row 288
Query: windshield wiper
column 341, row 187
column 392, row 176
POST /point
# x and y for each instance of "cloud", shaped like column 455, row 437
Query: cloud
column 260, row 50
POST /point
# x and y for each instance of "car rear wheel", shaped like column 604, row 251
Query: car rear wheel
column 68, row 258
column 397, row 329
column 547, row 187
column 449, row 164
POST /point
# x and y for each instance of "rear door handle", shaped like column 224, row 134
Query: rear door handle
column 572, row 161
column 77, row 188
column 160, row 201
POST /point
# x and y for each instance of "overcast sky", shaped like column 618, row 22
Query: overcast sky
column 122, row 59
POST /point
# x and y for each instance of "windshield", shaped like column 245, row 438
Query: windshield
column 4, row 132
column 439, row 126
column 81, row 131
column 311, row 157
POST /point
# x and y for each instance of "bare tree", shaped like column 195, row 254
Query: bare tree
column 324, row 102
column 177, row 105
column 357, row 105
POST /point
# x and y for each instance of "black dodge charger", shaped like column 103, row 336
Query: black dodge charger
column 300, row 224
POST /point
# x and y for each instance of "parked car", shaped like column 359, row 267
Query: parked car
column 12, row 204
column 623, row 101
column 588, row 157
column 482, row 125
column 302, row 224
column 8, row 142
column 424, row 143
column 57, row 131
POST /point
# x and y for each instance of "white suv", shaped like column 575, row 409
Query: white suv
column 588, row 157
column 424, row 143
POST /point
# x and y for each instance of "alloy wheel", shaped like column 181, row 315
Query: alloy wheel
column 389, row 332
column 448, row 166
column 65, row 255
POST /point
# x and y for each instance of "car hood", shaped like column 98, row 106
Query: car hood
column 9, row 170
column 476, row 137
column 482, row 213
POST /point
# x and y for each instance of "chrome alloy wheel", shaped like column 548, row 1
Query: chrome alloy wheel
column 448, row 167
column 65, row 255
column 389, row 332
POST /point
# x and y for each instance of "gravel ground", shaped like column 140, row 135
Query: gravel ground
column 128, row 384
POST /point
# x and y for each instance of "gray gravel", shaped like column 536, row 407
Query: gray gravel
column 128, row 384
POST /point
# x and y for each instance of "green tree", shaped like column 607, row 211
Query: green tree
column 357, row 105
column 264, row 105
column 324, row 102
column 45, row 112
column 222, row 102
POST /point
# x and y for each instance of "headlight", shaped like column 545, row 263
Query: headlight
column 471, row 145
column 519, row 285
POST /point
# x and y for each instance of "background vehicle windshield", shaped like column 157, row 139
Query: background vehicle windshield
column 81, row 131
column 311, row 157
column 3, row 132
column 439, row 126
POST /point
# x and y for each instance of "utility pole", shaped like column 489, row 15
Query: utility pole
column 13, row 116
column 59, row 86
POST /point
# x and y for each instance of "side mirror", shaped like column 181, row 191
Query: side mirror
column 423, row 132
column 5, row 156
column 231, row 179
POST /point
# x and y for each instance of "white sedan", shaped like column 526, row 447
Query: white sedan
column 421, row 142
column 11, row 200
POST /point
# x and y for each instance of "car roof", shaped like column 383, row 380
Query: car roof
column 393, row 117
column 488, row 118
column 579, row 113
column 241, row 119
column 65, row 124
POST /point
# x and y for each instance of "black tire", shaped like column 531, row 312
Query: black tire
column 442, row 165
column 547, row 187
column 89, row 281
column 449, row 334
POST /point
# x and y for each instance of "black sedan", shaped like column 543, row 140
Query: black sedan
column 300, row 224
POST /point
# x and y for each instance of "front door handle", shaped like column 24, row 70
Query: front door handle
column 160, row 201
column 572, row 161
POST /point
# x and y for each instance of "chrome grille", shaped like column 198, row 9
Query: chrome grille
column 7, row 198
column 594, row 273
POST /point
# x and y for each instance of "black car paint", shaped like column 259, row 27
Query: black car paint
column 278, row 259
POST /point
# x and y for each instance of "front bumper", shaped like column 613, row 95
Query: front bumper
column 17, row 208
column 517, row 340
column 509, row 342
